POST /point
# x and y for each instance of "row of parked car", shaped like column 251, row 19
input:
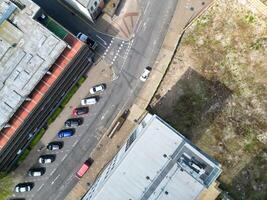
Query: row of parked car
column 70, row 126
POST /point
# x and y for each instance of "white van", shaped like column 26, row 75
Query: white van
column 89, row 101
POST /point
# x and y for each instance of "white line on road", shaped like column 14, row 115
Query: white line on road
column 74, row 144
column 68, row 180
column 64, row 157
column 105, row 43
column 55, row 179
column 147, row 6
column 52, row 172
column 40, row 187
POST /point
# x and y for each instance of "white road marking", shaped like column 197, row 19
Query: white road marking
column 105, row 43
column 40, row 187
column 52, row 172
column 146, row 8
column 55, row 179
column 68, row 180
column 74, row 144
column 64, row 157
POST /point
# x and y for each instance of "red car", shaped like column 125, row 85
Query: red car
column 80, row 111
column 84, row 168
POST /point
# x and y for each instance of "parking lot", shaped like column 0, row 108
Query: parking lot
column 68, row 143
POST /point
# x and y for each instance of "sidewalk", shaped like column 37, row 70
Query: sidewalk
column 107, row 148
column 123, row 23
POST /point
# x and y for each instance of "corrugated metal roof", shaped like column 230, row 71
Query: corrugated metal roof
column 153, row 168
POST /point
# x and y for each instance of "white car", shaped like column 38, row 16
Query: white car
column 45, row 159
column 24, row 187
column 97, row 88
column 89, row 101
column 145, row 74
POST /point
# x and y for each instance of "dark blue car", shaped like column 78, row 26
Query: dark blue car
column 65, row 133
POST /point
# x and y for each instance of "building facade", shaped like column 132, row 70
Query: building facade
column 90, row 9
column 37, row 65
column 156, row 162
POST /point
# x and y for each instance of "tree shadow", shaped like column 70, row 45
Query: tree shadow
column 192, row 104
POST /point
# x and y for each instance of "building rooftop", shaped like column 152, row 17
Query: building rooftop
column 27, row 51
column 157, row 162
column 85, row 3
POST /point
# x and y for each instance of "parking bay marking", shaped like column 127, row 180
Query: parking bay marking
column 64, row 157
column 74, row 144
column 52, row 172
column 55, row 179
column 40, row 187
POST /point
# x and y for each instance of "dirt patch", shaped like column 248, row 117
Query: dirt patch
column 215, row 93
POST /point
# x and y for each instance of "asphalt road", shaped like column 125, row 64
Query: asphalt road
column 135, row 55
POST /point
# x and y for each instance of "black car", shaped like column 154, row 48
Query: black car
column 56, row 145
column 36, row 171
column 73, row 122
column 80, row 111
column 91, row 43
column 24, row 187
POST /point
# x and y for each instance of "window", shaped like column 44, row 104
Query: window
column 95, row 3
column 92, row 8
column 130, row 140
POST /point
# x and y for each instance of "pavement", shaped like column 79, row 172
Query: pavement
column 123, row 23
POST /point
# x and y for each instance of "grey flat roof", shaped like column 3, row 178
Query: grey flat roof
column 27, row 51
column 159, row 164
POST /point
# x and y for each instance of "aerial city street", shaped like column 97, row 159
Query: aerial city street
column 132, row 99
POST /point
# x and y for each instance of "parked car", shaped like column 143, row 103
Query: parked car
column 56, row 145
column 84, row 168
column 89, row 101
column 46, row 159
column 73, row 122
column 36, row 171
column 145, row 74
column 17, row 199
column 98, row 88
column 24, row 187
column 85, row 38
column 80, row 111
column 66, row 133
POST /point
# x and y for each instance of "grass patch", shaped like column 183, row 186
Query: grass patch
column 37, row 138
column 229, row 49
column 24, row 155
column 250, row 18
column 55, row 114
column 5, row 186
